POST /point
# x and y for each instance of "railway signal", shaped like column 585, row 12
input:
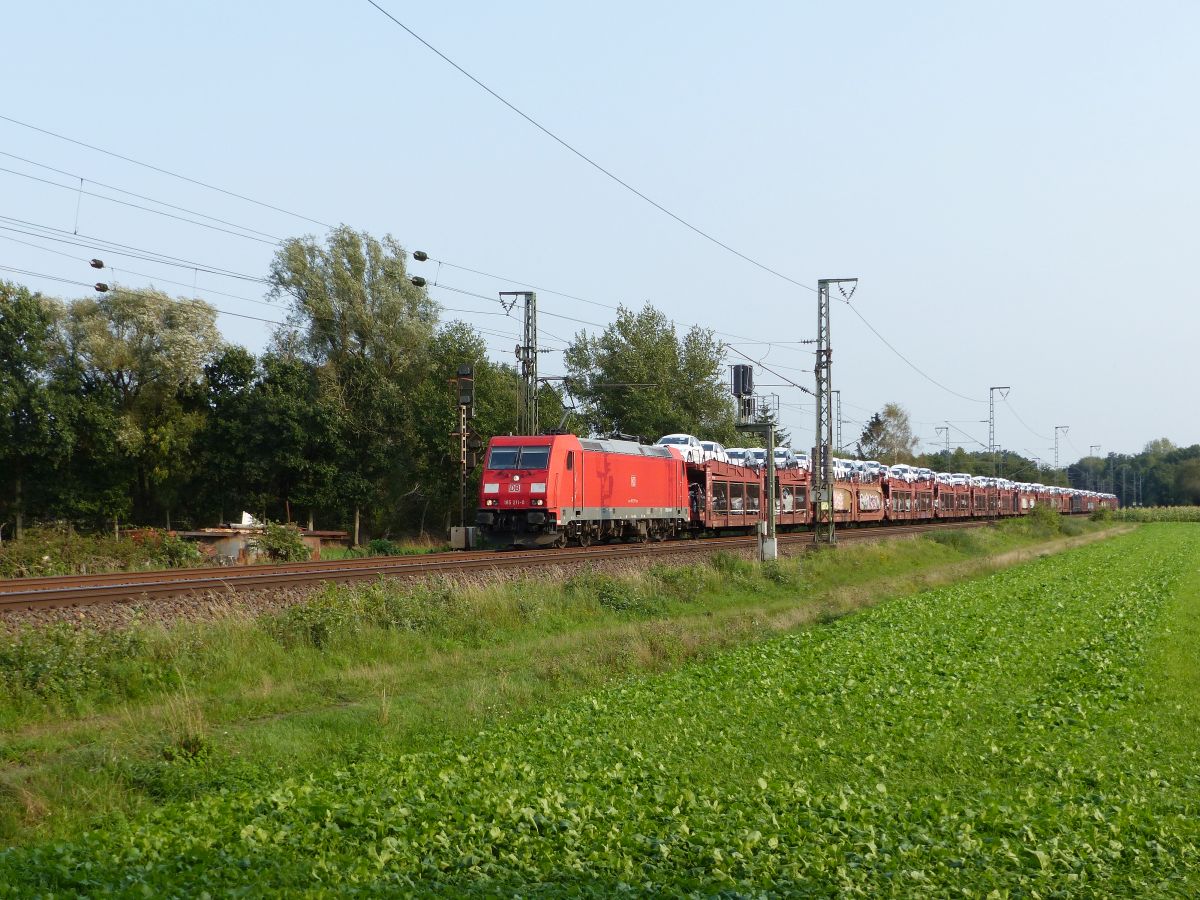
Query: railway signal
column 465, row 382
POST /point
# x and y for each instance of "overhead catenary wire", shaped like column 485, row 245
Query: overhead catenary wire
column 110, row 187
column 116, row 248
column 1043, row 437
column 163, row 171
column 158, row 212
column 772, row 371
column 47, row 277
column 908, row 361
column 591, row 162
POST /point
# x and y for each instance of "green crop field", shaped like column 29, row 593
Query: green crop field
column 1028, row 733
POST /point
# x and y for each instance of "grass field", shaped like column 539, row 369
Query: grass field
column 1029, row 732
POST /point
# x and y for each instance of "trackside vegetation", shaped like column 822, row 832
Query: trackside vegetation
column 1026, row 733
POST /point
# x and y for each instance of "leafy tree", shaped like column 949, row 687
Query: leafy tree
column 888, row 436
column 639, row 377
column 1187, row 482
column 228, row 441
column 33, row 434
column 149, row 351
column 296, row 441
column 363, row 325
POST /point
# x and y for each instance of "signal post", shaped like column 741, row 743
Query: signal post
column 743, row 390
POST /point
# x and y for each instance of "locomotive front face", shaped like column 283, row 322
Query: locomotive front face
column 515, row 494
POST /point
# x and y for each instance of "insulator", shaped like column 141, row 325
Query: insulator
column 101, row 287
column 418, row 281
column 420, row 255
column 97, row 264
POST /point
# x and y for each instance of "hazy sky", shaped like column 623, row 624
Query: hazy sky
column 1015, row 184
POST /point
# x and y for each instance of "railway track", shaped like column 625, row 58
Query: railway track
column 86, row 590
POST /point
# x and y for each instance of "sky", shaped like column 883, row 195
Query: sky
column 1014, row 184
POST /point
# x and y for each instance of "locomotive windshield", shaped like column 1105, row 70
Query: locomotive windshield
column 532, row 457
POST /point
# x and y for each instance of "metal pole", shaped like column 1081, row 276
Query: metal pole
column 769, row 549
column 992, row 423
column 945, row 431
column 531, row 369
column 527, row 357
column 462, row 465
column 823, row 519
column 1057, row 428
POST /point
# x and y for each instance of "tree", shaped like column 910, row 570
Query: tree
column 296, row 441
column 227, row 445
column 149, row 351
column 888, row 436
column 1187, row 482
column 33, row 434
column 359, row 320
column 639, row 377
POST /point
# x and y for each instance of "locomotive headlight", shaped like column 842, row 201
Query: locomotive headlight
column 491, row 502
column 538, row 502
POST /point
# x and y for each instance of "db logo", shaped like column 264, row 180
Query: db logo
column 514, row 489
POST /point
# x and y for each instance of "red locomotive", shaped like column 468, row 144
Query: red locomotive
column 547, row 490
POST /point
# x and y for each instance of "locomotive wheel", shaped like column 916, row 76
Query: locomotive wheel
column 560, row 541
column 585, row 539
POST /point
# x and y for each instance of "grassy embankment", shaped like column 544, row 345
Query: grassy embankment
column 109, row 724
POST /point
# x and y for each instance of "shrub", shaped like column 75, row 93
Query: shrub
column 383, row 547
column 1044, row 520
column 176, row 553
column 281, row 543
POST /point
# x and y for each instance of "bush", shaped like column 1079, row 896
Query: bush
column 281, row 543
column 383, row 547
column 1044, row 520
column 176, row 553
